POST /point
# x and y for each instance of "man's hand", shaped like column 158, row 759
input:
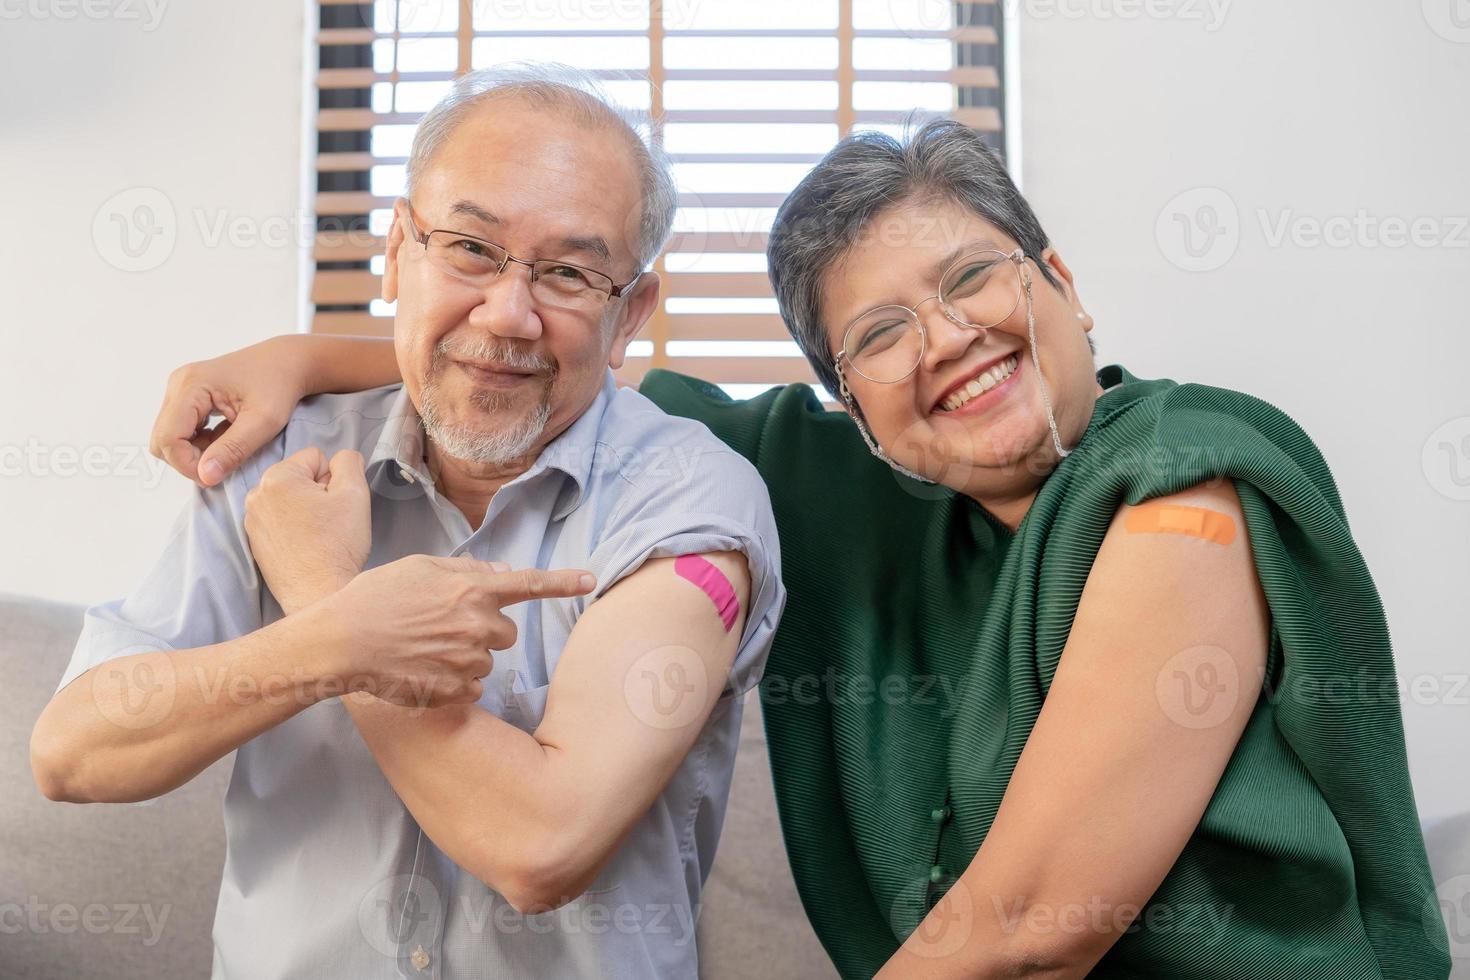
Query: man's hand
column 309, row 523
column 419, row 631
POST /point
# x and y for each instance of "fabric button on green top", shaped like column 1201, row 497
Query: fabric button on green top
column 936, row 874
column 940, row 814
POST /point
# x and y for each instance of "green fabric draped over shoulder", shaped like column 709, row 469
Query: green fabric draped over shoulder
column 920, row 638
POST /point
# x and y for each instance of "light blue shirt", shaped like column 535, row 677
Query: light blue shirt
column 326, row 873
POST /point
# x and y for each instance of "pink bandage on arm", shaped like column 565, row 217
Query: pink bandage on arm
column 713, row 583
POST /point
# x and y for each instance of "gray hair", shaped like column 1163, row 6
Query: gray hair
column 567, row 89
column 865, row 174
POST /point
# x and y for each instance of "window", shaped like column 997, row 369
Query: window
column 750, row 94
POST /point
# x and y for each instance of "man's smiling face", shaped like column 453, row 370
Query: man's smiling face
column 496, row 372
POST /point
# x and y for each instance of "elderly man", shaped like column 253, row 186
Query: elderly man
column 404, row 802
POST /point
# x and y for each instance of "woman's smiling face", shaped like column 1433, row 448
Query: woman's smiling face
column 932, row 421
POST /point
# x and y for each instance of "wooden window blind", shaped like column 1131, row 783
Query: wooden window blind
column 747, row 95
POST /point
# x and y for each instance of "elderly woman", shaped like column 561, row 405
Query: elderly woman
column 1083, row 674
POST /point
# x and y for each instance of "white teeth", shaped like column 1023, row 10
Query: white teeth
column 982, row 384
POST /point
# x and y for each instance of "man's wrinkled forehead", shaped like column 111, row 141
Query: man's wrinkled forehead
column 515, row 166
column 473, row 213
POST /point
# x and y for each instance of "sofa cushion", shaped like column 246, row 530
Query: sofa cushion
column 115, row 891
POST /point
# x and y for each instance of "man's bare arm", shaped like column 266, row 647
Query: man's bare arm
column 536, row 817
column 416, row 631
column 141, row 725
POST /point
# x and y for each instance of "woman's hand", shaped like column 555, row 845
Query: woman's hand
column 255, row 389
column 309, row 523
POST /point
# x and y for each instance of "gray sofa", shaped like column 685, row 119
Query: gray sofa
column 128, row 891
column 118, row 892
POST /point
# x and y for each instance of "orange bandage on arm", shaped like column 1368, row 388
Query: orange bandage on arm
column 1158, row 517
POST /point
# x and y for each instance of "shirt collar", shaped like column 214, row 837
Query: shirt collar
column 397, row 456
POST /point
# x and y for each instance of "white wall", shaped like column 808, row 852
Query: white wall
column 200, row 102
column 1307, row 111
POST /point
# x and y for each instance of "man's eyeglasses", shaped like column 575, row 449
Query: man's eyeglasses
column 553, row 282
column 979, row 290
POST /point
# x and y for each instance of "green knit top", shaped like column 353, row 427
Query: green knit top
column 920, row 638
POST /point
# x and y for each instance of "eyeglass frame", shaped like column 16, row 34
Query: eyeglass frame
column 614, row 291
column 1016, row 255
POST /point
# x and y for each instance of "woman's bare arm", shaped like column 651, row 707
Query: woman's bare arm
column 1160, row 673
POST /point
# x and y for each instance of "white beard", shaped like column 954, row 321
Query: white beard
column 473, row 444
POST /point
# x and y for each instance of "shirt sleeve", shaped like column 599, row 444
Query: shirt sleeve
column 204, row 587
column 719, row 504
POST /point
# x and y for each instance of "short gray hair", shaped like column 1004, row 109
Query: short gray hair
column 865, row 174
column 569, row 90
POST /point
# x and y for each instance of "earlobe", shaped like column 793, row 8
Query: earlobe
column 638, row 307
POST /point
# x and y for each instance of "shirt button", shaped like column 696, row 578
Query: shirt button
column 940, row 814
column 936, row 874
column 407, row 476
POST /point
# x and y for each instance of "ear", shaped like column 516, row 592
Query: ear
column 1053, row 259
column 396, row 240
column 638, row 306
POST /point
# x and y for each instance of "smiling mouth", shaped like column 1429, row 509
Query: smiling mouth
column 983, row 383
column 494, row 377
